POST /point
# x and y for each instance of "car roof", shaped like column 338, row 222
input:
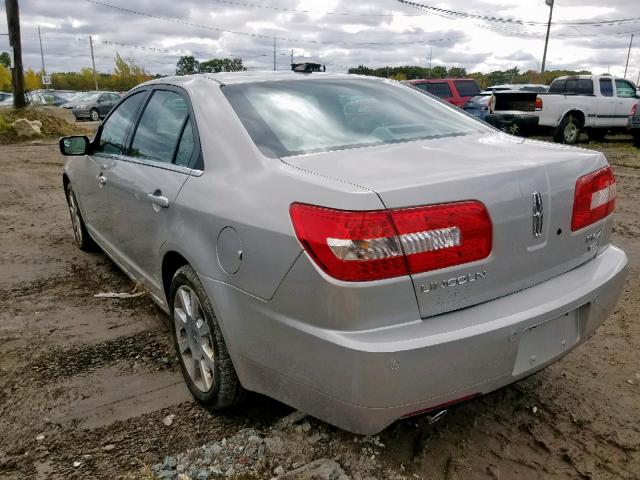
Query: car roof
column 232, row 78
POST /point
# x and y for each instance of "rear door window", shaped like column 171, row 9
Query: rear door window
column 439, row 89
column 161, row 124
column 624, row 89
column 467, row 88
column 186, row 146
column 115, row 129
column 606, row 87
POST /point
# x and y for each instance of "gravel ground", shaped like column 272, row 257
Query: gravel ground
column 89, row 387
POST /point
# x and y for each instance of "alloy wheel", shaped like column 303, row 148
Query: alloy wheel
column 75, row 217
column 194, row 338
column 95, row 116
column 571, row 133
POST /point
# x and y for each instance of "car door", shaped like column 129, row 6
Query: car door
column 104, row 104
column 606, row 103
column 144, row 184
column 627, row 98
column 110, row 141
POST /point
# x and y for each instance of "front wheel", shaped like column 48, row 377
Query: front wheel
column 94, row 114
column 568, row 131
column 204, row 358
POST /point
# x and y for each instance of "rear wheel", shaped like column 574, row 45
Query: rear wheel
column 80, row 235
column 94, row 114
column 204, row 358
column 568, row 131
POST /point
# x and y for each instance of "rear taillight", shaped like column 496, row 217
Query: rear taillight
column 594, row 199
column 372, row 245
column 634, row 109
column 538, row 104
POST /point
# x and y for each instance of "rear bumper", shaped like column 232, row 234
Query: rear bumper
column 364, row 380
column 501, row 120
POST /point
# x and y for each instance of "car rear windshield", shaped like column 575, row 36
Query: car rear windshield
column 305, row 116
column 467, row 88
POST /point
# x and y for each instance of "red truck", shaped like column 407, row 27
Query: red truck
column 454, row 90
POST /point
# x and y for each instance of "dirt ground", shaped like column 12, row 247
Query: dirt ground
column 78, row 373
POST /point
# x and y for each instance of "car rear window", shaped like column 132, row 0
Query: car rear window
column 439, row 89
column 306, row 116
column 467, row 88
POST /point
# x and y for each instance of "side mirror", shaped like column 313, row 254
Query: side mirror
column 75, row 145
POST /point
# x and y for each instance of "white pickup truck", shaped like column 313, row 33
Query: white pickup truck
column 595, row 103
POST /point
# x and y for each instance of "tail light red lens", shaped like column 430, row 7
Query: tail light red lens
column 372, row 245
column 634, row 109
column 594, row 199
column 538, row 104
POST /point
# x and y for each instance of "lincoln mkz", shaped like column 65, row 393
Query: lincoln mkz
column 350, row 246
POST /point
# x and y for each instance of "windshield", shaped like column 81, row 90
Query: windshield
column 296, row 117
column 87, row 98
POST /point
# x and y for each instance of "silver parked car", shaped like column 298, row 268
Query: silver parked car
column 344, row 244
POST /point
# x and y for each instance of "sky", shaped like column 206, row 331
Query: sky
column 337, row 33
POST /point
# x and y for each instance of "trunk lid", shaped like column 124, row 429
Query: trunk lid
column 501, row 171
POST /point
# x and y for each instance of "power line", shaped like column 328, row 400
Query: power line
column 259, row 35
column 516, row 21
column 294, row 10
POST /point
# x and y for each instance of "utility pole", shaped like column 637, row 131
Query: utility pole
column 546, row 41
column 17, row 77
column 93, row 62
column 628, row 55
column 44, row 72
column 274, row 53
column 292, row 56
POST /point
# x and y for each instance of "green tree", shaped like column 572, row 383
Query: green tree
column 221, row 65
column 5, row 59
column 5, row 79
column 457, row 72
column 187, row 65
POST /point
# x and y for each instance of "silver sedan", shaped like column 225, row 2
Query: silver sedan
column 346, row 245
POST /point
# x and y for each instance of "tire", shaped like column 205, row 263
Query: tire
column 568, row 131
column 596, row 134
column 94, row 115
column 636, row 139
column 81, row 236
column 200, row 347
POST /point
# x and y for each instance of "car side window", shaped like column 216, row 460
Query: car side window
column 160, row 125
column 186, row 145
column 624, row 89
column 606, row 87
column 557, row 86
column 439, row 89
column 114, row 130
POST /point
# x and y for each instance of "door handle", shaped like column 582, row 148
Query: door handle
column 157, row 199
column 101, row 180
